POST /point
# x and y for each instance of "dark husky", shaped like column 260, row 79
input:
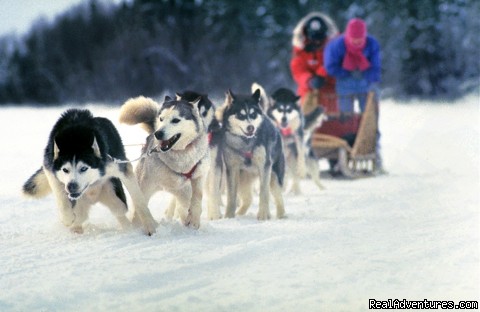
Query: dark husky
column 251, row 148
column 85, row 163
column 284, row 109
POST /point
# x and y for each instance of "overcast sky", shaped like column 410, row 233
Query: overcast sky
column 18, row 15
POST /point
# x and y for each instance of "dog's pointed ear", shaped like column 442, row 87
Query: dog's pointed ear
column 230, row 97
column 256, row 95
column 178, row 96
column 298, row 101
column 196, row 101
column 167, row 99
column 96, row 148
column 56, row 150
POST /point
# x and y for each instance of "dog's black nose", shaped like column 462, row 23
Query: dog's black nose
column 284, row 122
column 250, row 128
column 72, row 187
column 159, row 135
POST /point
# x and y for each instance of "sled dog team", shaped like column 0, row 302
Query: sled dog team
column 192, row 148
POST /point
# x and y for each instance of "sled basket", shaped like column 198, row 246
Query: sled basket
column 353, row 148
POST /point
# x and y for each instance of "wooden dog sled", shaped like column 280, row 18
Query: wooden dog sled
column 347, row 141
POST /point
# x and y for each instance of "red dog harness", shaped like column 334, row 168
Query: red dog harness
column 189, row 174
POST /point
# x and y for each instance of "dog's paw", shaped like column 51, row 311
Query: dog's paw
column 149, row 227
column 214, row 216
column 77, row 229
column 263, row 215
column 192, row 222
column 146, row 222
column 242, row 211
column 295, row 190
column 230, row 212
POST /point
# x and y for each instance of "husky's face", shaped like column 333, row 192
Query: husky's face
column 77, row 176
column 243, row 114
column 285, row 111
column 77, row 165
column 286, row 116
column 180, row 124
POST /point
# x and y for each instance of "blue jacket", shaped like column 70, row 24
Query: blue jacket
column 335, row 52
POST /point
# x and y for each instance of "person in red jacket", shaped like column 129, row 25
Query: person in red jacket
column 310, row 37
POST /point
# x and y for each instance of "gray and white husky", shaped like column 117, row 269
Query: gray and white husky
column 284, row 109
column 251, row 148
column 81, row 166
column 176, row 151
column 214, row 181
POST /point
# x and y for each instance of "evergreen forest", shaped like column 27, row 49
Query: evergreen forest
column 105, row 51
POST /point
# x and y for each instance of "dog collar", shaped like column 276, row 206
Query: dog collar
column 248, row 157
column 189, row 174
column 209, row 137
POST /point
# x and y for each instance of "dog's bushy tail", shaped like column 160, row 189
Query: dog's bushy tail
column 37, row 185
column 265, row 100
column 140, row 110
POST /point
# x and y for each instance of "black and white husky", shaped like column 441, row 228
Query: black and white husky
column 251, row 148
column 176, row 152
column 85, row 163
column 284, row 109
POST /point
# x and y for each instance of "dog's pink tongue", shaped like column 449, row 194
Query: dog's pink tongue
column 286, row 131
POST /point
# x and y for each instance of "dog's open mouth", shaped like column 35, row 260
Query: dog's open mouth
column 165, row 145
column 249, row 133
column 76, row 195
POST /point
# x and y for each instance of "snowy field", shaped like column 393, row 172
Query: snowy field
column 413, row 234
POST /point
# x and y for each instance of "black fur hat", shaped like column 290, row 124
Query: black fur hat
column 316, row 29
column 285, row 95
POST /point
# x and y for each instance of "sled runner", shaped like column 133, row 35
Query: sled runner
column 347, row 140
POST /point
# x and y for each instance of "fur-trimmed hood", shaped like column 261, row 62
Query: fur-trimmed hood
column 298, row 39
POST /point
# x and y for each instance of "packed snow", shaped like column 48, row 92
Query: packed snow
column 412, row 234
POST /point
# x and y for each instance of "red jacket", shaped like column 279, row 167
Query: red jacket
column 304, row 65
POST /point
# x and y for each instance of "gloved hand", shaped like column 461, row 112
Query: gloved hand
column 357, row 74
column 316, row 82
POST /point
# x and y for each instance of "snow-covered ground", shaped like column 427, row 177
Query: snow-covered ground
column 413, row 234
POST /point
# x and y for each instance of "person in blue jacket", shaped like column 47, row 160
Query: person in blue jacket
column 353, row 58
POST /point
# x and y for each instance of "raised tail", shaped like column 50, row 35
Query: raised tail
column 265, row 99
column 140, row 110
column 37, row 185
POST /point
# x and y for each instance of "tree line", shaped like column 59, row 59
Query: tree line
column 99, row 51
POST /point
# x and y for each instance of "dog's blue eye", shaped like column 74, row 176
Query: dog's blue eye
column 83, row 169
column 175, row 120
column 65, row 170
